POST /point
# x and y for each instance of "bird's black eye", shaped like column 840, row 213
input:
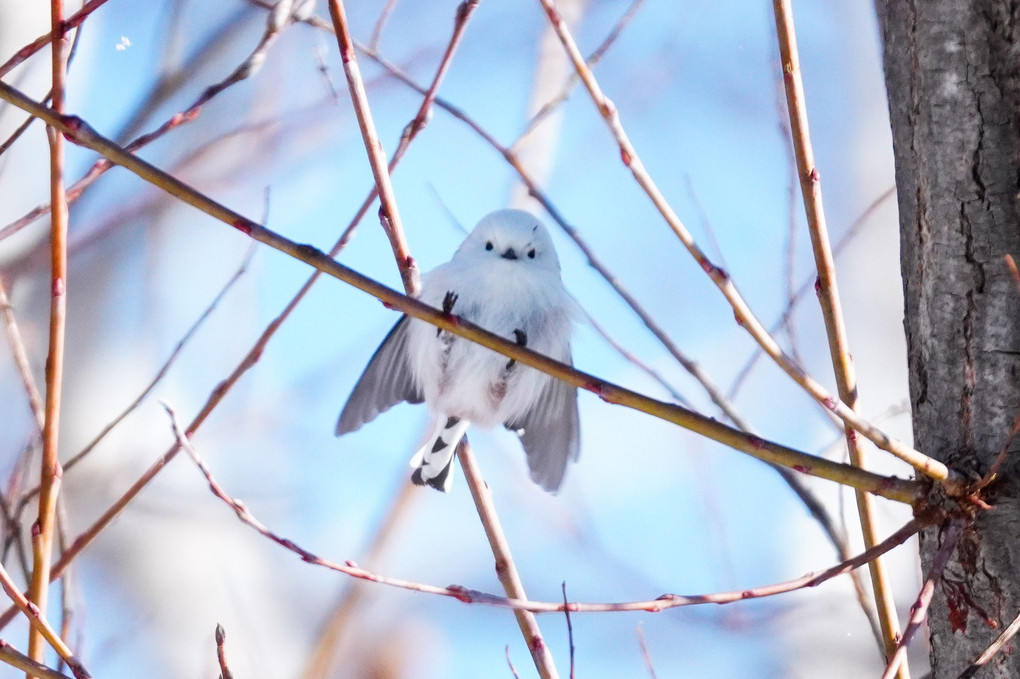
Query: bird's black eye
column 531, row 253
column 488, row 245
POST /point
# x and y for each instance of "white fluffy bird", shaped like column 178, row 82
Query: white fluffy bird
column 505, row 277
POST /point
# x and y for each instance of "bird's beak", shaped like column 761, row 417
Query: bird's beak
column 509, row 254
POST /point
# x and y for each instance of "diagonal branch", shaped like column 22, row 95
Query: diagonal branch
column 470, row 596
column 811, row 502
column 72, row 22
column 919, row 610
column 388, row 212
column 14, row 658
column 828, row 297
column 506, row 571
column 745, row 317
column 21, row 358
column 246, row 69
column 993, row 649
column 45, row 526
column 40, row 625
column 78, row 130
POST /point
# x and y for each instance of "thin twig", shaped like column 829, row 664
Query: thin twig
column 644, row 652
column 336, row 629
column 506, row 571
column 73, row 460
column 593, row 59
column 808, row 285
column 72, row 22
column 745, row 317
column 993, row 649
column 216, row 397
column 221, row 653
column 570, row 627
column 812, row 503
column 388, row 213
column 1000, row 459
column 632, row 359
column 510, row 663
column 67, row 582
column 790, row 261
column 40, row 625
column 78, row 130
column 15, row 535
column 377, row 29
column 246, row 69
column 832, row 314
column 21, row 357
column 20, row 129
column 49, row 478
column 470, row 596
column 12, row 657
column 919, row 610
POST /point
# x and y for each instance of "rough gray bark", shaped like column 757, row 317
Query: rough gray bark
column 953, row 78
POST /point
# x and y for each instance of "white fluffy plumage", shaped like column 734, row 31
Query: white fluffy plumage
column 504, row 277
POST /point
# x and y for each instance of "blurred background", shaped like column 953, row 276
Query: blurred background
column 648, row 509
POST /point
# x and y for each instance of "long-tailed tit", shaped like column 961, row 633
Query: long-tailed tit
column 505, row 277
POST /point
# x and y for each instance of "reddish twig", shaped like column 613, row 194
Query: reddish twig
column 928, row 466
column 919, row 610
column 594, row 58
column 644, row 652
column 72, row 22
column 570, row 627
column 249, row 67
column 510, row 663
column 83, row 134
column 377, row 29
column 832, row 313
column 470, row 596
column 388, row 213
column 506, row 570
column 40, row 626
column 49, row 479
column 221, row 653
column 12, row 657
column 21, row 358
column 993, row 649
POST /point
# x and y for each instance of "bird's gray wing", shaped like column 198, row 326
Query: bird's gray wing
column 550, row 433
column 387, row 381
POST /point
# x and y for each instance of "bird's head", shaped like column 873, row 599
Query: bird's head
column 511, row 236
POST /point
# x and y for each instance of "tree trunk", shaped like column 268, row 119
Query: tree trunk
column 952, row 71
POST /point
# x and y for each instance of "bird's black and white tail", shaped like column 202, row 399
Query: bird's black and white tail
column 433, row 463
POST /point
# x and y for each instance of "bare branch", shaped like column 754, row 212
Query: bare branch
column 82, row 133
column 506, row 570
column 221, row 653
column 15, row 659
column 745, row 317
column 388, row 213
column 40, row 625
column 919, row 610
column 832, row 313
column 993, row 649
column 470, row 596
column 45, row 526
